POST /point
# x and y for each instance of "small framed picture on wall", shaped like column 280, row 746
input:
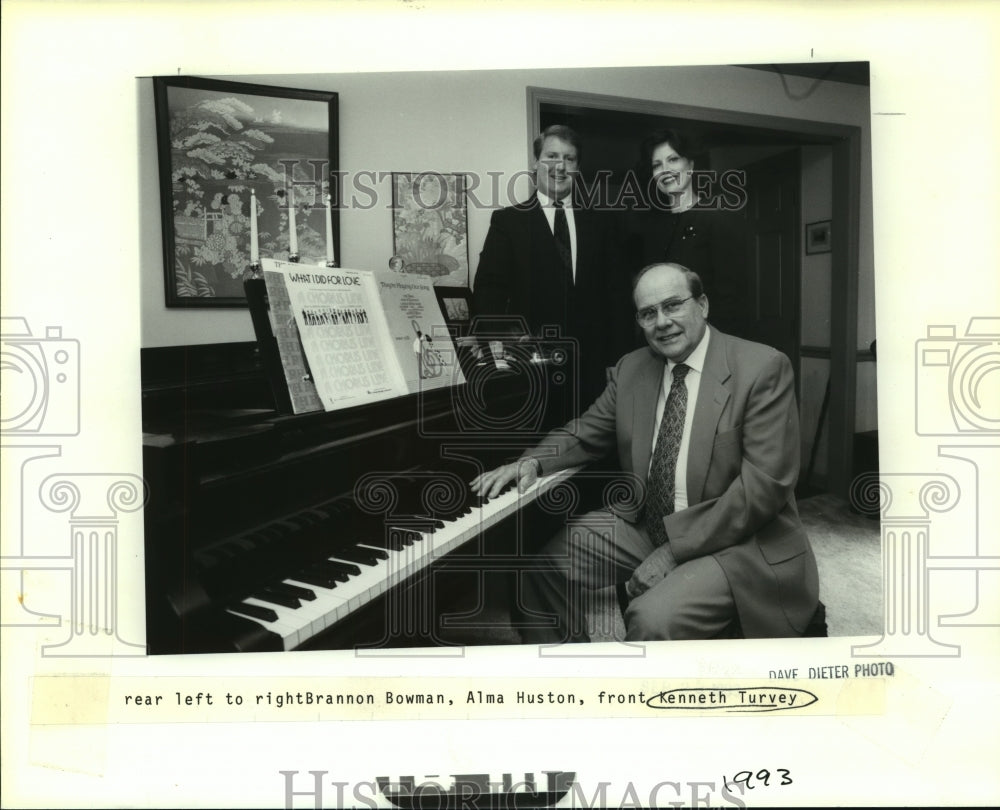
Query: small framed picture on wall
column 818, row 237
column 455, row 304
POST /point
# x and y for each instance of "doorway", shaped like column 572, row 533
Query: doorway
column 768, row 147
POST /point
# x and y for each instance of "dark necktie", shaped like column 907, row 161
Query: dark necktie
column 561, row 231
column 660, row 489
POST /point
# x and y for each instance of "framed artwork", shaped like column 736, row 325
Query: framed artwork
column 455, row 303
column 430, row 230
column 818, row 237
column 217, row 143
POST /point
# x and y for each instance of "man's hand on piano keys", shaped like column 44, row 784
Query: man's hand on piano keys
column 490, row 484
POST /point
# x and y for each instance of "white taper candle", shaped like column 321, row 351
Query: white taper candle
column 330, row 259
column 293, row 237
column 254, row 249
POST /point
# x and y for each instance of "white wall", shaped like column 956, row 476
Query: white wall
column 473, row 121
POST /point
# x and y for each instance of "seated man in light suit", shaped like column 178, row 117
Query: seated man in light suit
column 709, row 424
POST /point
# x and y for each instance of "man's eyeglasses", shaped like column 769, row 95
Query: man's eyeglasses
column 647, row 315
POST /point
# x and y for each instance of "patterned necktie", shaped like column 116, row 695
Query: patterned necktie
column 561, row 231
column 660, row 490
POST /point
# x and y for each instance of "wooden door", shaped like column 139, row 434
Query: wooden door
column 773, row 221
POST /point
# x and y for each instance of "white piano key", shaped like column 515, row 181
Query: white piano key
column 289, row 633
column 328, row 603
column 300, row 624
column 362, row 588
column 308, row 617
column 295, row 626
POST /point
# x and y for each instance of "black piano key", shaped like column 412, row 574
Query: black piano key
column 301, row 521
column 482, row 500
column 334, row 507
column 378, row 554
column 269, row 533
column 293, row 590
column 422, row 521
column 390, row 540
column 348, row 569
column 341, row 514
column 238, row 633
column 408, row 535
column 278, row 598
column 316, row 577
column 361, row 556
column 455, row 514
column 255, row 539
column 258, row 612
column 337, row 571
column 286, row 528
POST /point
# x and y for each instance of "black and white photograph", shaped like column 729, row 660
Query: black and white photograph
column 681, row 232
column 409, row 399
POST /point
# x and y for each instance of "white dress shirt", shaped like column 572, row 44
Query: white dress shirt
column 550, row 214
column 695, row 362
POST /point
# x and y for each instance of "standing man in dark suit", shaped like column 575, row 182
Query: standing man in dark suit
column 708, row 423
column 555, row 263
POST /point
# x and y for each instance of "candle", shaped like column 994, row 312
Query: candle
column 330, row 260
column 293, row 237
column 254, row 250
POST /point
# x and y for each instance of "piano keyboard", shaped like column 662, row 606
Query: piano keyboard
column 304, row 604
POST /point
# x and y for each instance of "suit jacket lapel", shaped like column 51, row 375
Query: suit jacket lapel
column 713, row 394
column 644, row 395
column 541, row 232
column 529, row 223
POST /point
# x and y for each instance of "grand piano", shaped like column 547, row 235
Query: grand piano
column 271, row 531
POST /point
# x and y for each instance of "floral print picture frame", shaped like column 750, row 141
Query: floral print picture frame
column 217, row 142
column 430, row 230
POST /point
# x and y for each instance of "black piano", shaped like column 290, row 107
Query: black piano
column 271, row 531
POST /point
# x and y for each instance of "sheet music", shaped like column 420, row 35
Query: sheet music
column 418, row 332
column 343, row 331
column 301, row 388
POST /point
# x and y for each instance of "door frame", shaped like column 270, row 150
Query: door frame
column 845, row 143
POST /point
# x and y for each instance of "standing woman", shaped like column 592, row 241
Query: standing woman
column 687, row 220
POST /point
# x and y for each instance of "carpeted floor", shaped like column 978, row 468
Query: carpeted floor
column 849, row 558
column 848, row 550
